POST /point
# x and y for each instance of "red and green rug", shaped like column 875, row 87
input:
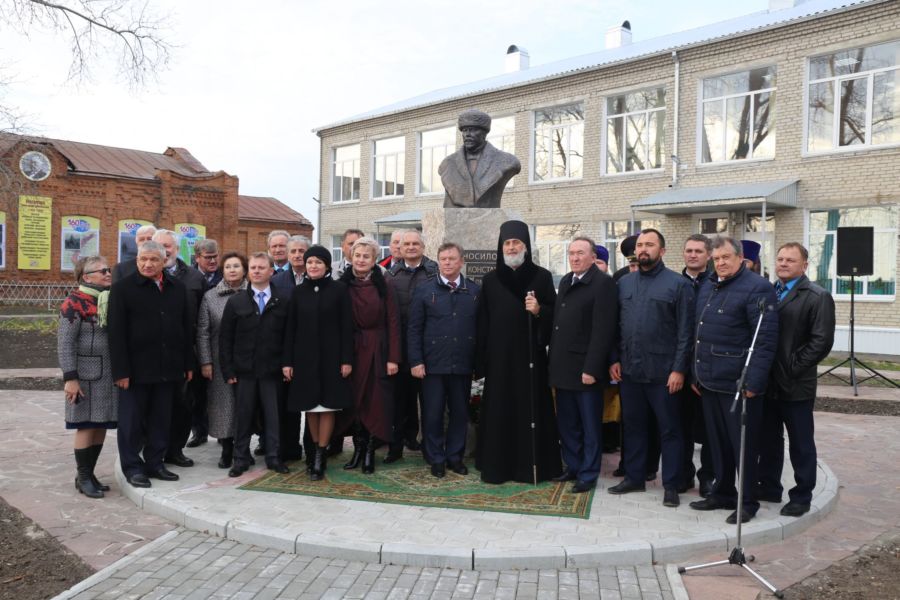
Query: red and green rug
column 409, row 481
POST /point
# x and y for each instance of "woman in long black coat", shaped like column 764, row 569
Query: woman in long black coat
column 318, row 351
column 505, row 447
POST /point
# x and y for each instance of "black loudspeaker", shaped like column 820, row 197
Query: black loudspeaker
column 855, row 251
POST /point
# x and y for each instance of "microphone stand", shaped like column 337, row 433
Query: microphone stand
column 737, row 555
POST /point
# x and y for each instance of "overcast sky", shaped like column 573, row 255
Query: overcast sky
column 249, row 81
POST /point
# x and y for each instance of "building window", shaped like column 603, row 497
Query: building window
column 503, row 137
column 738, row 120
column 823, row 249
column 713, row 226
column 551, row 247
column 615, row 232
column 559, row 143
column 434, row 146
column 384, row 243
column 346, row 174
column 337, row 253
column 635, row 131
column 390, row 164
column 853, row 98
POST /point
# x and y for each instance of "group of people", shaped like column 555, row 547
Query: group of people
column 242, row 345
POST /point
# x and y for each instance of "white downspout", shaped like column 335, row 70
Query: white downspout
column 675, row 161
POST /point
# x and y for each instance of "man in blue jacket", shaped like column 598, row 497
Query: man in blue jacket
column 655, row 335
column 441, row 350
column 729, row 305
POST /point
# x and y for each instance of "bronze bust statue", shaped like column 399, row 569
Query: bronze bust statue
column 476, row 175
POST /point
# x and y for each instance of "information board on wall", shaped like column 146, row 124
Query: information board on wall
column 187, row 235
column 479, row 263
column 34, row 232
column 127, row 244
column 79, row 236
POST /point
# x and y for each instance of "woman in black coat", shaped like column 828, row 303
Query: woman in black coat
column 318, row 351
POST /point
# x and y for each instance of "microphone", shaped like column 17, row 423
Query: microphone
column 761, row 305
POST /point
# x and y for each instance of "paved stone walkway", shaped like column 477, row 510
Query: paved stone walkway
column 197, row 566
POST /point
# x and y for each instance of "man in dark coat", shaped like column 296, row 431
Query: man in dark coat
column 195, row 287
column 206, row 255
column 151, row 352
column 476, row 175
column 405, row 276
column 128, row 266
column 515, row 317
column 655, row 338
column 696, row 253
column 441, row 346
column 806, row 334
column 250, row 348
column 728, row 309
column 584, row 330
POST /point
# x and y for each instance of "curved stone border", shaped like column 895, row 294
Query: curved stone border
column 638, row 552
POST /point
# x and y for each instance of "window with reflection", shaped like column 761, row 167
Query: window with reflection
column 635, row 131
column 853, row 98
column 551, row 247
column 434, row 146
column 389, row 166
column 345, row 185
column 738, row 116
column 559, row 143
column 823, row 249
column 713, row 226
column 503, row 136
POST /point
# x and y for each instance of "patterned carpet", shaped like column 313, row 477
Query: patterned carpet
column 410, row 482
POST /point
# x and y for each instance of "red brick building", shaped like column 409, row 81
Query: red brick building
column 59, row 199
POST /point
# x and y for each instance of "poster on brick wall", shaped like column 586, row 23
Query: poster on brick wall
column 187, row 235
column 34, row 232
column 79, row 236
column 127, row 244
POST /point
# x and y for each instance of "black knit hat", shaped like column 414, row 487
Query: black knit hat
column 320, row 252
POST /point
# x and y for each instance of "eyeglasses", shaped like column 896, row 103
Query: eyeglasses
column 104, row 270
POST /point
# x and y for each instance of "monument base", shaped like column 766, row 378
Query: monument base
column 475, row 229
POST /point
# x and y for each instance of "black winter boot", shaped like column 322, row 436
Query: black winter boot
column 97, row 449
column 359, row 447
column 317, row 469
column 227, row 453
column 369, row 461
column 83, row 482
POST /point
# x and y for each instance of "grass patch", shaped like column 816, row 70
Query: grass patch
column 46, row 326
column 878, row 365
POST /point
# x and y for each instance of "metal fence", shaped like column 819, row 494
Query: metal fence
column 49, row 294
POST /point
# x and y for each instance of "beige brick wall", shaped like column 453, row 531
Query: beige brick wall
column 860, row 178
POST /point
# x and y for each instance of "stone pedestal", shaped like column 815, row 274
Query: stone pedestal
column 475, row 229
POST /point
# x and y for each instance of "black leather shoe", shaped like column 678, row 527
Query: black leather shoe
column 709, row 504
column 458, row 468
column 706, row 486
column 581, row 487
column 237, row 470
column 197, row 440
column 794, row 509
column 627, row 486
column 164, row 474
column 179, row 460
column 745, row 517
column 438, row 470
column 670, row 498
column 565, row 476
column 651, row 476
column 278, row 467
column 139, row 480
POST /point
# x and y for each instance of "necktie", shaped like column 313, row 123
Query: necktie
column 780, row 291
column 452, row 285
column 261, row 298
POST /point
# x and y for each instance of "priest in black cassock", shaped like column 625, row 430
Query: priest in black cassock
column 517, row 292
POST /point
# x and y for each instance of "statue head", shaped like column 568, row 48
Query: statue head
column 474, row 125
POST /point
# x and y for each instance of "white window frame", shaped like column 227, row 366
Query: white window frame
column 337, row 253
column 836, row 116
column 421, row 149
column 503, row 138
column 864, row 280
column 604, row 145
column 334, row 166
column 532, row 154
column 398, row 171
column 724, row 100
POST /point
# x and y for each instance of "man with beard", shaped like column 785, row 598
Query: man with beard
column 514, row 324
column 584, row 329
column 655, row 327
